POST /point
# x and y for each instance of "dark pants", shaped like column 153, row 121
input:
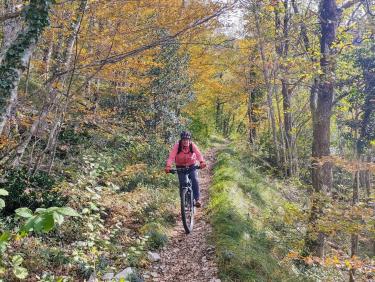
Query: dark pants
column 194, row 181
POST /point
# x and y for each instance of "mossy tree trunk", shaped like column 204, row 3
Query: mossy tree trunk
column 17, row 55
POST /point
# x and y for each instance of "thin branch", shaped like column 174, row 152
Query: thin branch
column 160, row 42
column 9, row 16
column 348, row 4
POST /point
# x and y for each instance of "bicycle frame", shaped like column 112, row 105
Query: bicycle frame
column 186, row 196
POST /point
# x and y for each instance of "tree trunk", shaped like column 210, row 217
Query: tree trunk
column 252, row 128
column 321, row 110
column 17, row 55
column 282, row 49
column 11, row 27
column 281, row 129
column 354, row 236
column 66, row 81
column 267, row 80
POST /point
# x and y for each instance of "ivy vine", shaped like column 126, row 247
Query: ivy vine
column 36, row 19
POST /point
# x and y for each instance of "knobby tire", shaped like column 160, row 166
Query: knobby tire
column 187, row 208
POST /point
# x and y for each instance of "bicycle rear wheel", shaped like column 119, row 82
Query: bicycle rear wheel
column 187, row 209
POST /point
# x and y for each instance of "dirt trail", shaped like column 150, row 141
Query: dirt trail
column 189, row 257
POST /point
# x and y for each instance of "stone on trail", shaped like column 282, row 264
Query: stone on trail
column 125, row 273
column 154, row 274
column 92, row 278
column 154, row 257
column 108, row 276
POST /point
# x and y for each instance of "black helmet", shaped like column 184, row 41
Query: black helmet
column 185, row 135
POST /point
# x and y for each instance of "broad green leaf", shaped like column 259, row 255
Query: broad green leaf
column 29, row 224
column 3, row 192
column 44, row 223
column 20, row 272
column 24, row 212
column 2, row 204
column 17, row 260
column 52, row 209
column 58, row 218
column 40, row 210
column 67, row 211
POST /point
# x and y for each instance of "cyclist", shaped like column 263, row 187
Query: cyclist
column 185, row 154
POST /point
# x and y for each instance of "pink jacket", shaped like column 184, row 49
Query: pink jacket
column 185, row 157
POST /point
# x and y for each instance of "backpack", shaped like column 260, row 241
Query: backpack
column 180, row 147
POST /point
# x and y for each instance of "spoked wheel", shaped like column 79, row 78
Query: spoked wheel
column 187, row 210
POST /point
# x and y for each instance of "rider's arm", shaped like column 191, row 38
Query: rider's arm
column 198, row 153
column 172, row 155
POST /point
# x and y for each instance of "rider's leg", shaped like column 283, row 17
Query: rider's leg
column 195, row 185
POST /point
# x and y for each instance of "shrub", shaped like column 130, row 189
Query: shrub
column 157, row 239
column 32, row 191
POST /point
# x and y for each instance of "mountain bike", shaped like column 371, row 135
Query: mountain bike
column 187, row 199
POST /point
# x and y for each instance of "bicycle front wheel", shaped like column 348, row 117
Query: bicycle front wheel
column 187, row 210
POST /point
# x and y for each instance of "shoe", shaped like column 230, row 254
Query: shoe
column 197, row 204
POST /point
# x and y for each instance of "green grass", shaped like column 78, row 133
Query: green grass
column 242, row 203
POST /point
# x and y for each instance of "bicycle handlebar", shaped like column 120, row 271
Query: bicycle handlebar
column 183, row 169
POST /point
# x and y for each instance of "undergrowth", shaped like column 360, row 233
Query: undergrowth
column 247, row 222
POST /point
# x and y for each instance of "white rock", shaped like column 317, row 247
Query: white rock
column 125, row 273
column 92, row 278
column 154, row 257
column 108, row 276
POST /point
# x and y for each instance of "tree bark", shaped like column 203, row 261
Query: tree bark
column 354, row 236
column 17, row 55
column 267, row 80
column 321, row 102
column 282, row 49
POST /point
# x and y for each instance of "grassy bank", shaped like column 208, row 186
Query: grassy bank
column 247, row 215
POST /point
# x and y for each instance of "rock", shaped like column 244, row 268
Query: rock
column 154, row 274
column 215, row 280
column 92, row 278
column 125, row 273
column 154, row 257
column 108, row 276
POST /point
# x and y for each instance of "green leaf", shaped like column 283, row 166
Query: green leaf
column 2, row 204
column 44, row 223
column 40, row 210
column 3, row 192
column 29, row 224
column 93, row 207
column 58, row 218
column 5, row 236
column 20, row 272
column 68, row 211
column 24, row 212
column 17, row 260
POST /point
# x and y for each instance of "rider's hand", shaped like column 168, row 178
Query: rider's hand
column 167, row 169
column 203, row 164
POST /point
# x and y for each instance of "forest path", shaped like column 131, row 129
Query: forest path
column 190, row 257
